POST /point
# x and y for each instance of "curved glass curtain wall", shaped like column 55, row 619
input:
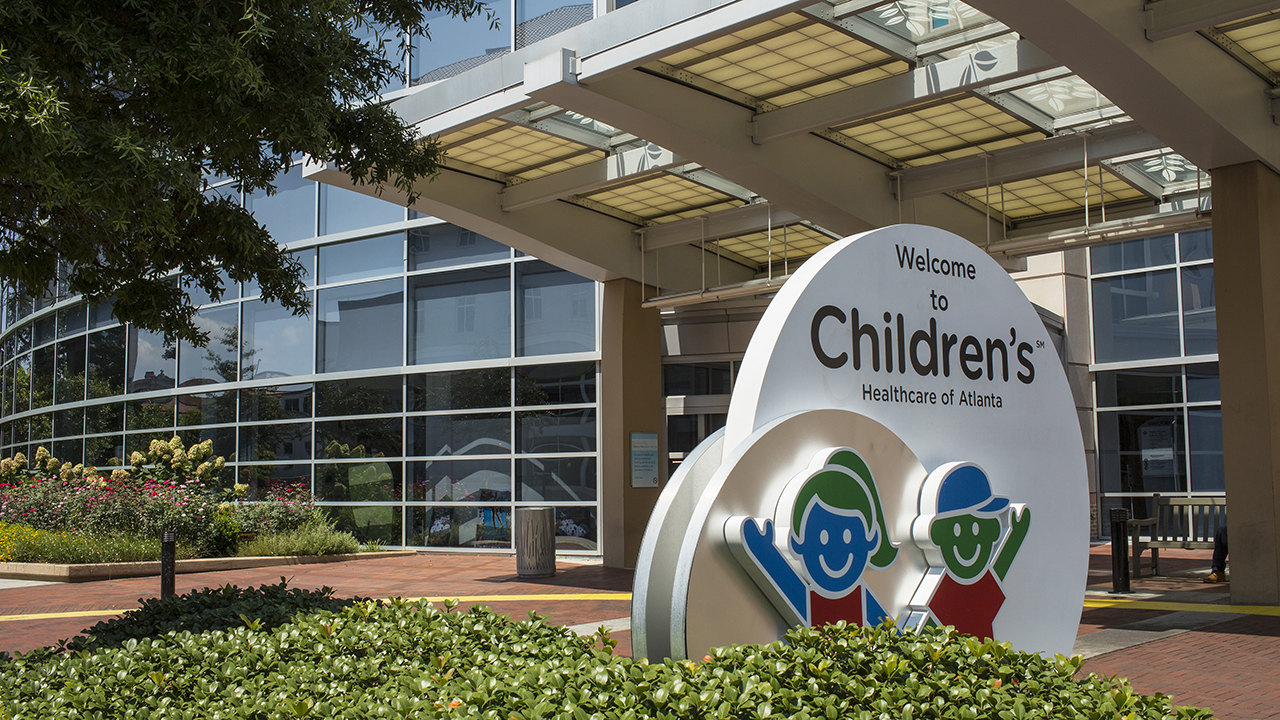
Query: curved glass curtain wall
column 439, row 381
column 1158, row 406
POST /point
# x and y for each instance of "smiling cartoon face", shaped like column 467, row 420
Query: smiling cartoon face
column 966, row 541
column 835, row 545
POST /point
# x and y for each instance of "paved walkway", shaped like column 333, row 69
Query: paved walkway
column 1174, row 635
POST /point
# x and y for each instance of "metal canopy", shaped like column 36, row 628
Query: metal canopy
column 982, row 118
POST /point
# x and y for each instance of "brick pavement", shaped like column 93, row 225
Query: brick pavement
column 1232, row 667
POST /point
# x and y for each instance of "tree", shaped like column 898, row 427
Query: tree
column 114, row 116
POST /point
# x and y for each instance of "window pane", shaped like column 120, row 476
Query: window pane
column 463, row 315
column 289, row 441
column 443, row 435
column 275, row 403
column 1140, row 386
column 1202, row 383
column 460, row 480
column 682, row 433
column 104, row 452
column 461, row 390
column 364, row 482
column 699, row 379
column 456, row 45
column 369, row 524
column 342, row 210
column 1204, row 426
column 230, row 290
column 290, row 214
column 1133, row 254
column 106, row 363
column 69, row 451
column 107, row 418
column 556, row 384
column 1199, row 315
column 1141, row 451
column 556, row 479
column 68, row 422
column 576, row 528
column 224, row 441
column 265, row 481
column 147, row 414
column 487, row 527
column 557, row 431
column 42, row 377
column 371, row 257
column 69, row 382
column 1196, row 245
column 365, row 438
column 306, row 258
column 22, row 339
column 359, row 326
column 213, row 408
column 45, row 330
column 540, row 19
column 1135, row 317
column 557, row 311
column 444, row 245
column 359, row 396
column 277, row 343
column 22, row 384
column 217, row 362
column 102, row 314
column 72, row 320
column 42, row 427
column 152, row 361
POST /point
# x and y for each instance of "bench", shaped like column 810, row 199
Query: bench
column 1188, row 523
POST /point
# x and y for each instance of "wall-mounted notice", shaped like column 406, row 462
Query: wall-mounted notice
column 644, row 460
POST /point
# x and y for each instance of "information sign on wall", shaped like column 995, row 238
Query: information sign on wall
column 644, row 460
column 901, row 443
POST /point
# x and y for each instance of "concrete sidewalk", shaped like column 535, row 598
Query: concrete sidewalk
column 1173, row 634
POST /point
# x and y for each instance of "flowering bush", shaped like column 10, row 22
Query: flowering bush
column 19, row 543
column 165, row 490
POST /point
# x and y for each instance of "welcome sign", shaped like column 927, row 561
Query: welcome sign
column 901, row 443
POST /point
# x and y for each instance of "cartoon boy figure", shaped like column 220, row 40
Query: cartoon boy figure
column 969, row 537
column 828, row 528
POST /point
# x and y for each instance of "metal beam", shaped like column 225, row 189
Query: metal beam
column 866, row 31
column 1058, row 154
column 972, row 34
column 631, row 164
column 712, row 181
column 1136, row 179
column 1244, row 57
column 713, row 226
column 1019, row 108
column 902, row 91
column 1170, row 18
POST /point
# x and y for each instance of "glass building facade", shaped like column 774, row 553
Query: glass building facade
column 1155, row 370
column 440, row 380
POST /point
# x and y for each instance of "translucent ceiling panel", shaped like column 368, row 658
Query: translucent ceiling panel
column 1063, row 96
column 920, row 20
column 454, row 46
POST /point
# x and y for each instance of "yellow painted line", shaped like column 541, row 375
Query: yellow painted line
column 511, row 598
column 463, row 598
column 1183, row 607
column 56, row 615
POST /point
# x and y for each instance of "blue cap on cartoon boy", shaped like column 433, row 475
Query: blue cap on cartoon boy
column 966, row 489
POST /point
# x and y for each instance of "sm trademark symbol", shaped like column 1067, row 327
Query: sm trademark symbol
column 1039, row 343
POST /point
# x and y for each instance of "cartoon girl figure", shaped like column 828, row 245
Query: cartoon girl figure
column 970, row 537
column 834, row 527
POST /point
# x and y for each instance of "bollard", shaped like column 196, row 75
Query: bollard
column 168, row 557
column 535, row 542
column 1119, row 554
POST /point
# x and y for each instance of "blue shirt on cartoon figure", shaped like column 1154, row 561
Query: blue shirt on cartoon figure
column 838, row 530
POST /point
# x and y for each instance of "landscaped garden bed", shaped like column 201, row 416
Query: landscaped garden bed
column 58, row 513
column 275, row 653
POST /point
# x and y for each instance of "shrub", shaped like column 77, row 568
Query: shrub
column 208, row 610
column 317, row 537
column 19, row 543
column 412, row 660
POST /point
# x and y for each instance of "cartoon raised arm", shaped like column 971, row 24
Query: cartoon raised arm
column 835, row 529
column 1019, row 524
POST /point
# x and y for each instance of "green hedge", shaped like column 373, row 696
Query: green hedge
column 401, row 659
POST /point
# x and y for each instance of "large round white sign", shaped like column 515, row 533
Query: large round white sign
column 901, row 443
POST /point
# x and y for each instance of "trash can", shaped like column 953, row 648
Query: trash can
column 535, row 542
